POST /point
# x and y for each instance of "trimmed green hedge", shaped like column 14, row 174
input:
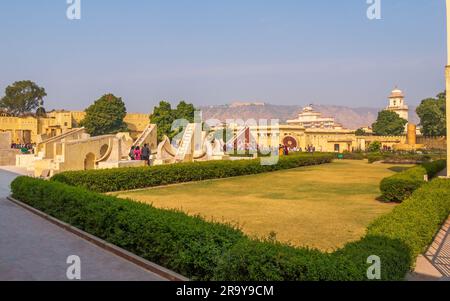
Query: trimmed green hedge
column 209, row 251
column 375, row 157
column 396, row 238
column 400, row 186
column 188, row 245
column 353, row 156
column 109, row 180
column 399, row 158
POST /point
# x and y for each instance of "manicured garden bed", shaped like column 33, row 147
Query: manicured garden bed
column 210, row 251
column 313, row 200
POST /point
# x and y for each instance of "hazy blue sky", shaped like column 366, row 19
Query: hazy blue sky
column 219, row 51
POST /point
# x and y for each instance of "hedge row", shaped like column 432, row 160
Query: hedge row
column 134, row 178
column 352, row 156
column 172, row 239
column 397, row 158
column 390, row 157
column 209, row 251
column 400, row 186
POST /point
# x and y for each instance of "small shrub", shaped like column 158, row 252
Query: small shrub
column 354, row 156
column 375, row 157
column 375, row 147
column 400, row 186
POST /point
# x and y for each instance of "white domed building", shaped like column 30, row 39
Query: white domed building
column 311, row 119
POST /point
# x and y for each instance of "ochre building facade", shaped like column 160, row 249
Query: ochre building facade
column 33, row 129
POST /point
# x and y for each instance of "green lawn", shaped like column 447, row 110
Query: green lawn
column 322, row 206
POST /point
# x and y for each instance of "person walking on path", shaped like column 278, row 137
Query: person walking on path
column 145, row 154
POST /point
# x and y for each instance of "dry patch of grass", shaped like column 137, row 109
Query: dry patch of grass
column 322, row 206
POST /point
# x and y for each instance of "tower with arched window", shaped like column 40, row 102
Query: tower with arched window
column 397, row 104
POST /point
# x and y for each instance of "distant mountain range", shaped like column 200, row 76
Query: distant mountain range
column 351, row 118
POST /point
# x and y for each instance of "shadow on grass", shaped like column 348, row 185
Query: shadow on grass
column 399, row 169
column 380, row 199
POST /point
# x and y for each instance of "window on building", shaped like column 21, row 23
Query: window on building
column 337, row 148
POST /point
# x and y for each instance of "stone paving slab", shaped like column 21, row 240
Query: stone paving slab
column 32, row 248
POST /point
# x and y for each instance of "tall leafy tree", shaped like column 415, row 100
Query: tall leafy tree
column 389, row 124
column 22, row 97
column 432, row 113
column 105, row 116
column 185, row 111
column 164, row 117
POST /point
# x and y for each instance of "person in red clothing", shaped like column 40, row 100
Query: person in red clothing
column 137, row 153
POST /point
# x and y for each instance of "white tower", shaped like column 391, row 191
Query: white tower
column 397, row 104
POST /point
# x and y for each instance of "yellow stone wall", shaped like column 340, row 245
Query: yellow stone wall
column 21, row 129
column 439, row 143
column 27, row 129
column 388, row 141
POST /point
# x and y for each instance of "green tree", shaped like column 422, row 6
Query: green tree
column 105, row 116
column 22, row 97
column 185, row 111
column 360, row 132
column 389, row 124
column 375, row 147
column 40, row 112
column 432, row 114
column 164, row 116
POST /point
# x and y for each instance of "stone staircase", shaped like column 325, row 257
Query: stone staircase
column 141, row 139
column 186, row 144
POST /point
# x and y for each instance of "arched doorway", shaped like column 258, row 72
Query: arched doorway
column 89, row 162
column 290, row 142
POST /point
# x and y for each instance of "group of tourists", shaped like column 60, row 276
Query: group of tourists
column 311, row 149
column 283, row 150
column 140, row 154
column 386, row 148
column 25, row 148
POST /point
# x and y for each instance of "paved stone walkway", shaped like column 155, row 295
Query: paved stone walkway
column 33, row 249
column 16, row 170
column 434, row 265
column 442, row 173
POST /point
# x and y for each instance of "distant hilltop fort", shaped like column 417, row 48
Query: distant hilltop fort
column 238, row 104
